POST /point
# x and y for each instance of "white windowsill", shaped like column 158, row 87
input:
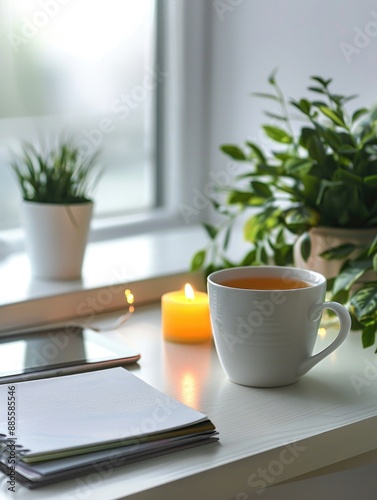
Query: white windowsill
column 149, row 264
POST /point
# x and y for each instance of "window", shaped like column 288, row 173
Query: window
column 85, row 68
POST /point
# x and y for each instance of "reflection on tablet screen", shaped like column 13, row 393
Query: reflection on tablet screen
column 62, row 350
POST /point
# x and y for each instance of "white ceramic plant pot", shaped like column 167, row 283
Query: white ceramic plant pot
column 56, row 237
column 324, row 238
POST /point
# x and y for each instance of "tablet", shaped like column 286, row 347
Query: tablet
column 59, row 351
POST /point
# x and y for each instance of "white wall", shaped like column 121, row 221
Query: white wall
column 300, row 37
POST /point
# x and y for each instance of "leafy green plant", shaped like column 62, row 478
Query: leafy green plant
column 60, row 175
column 322, row 173
column 356, row 287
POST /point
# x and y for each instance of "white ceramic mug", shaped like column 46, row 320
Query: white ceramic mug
column 265, row 338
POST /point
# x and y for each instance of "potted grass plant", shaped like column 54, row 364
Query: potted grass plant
column 56, row 184
column 310, row 200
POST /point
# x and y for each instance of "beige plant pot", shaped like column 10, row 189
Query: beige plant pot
column 324, row 238
column 56, row 237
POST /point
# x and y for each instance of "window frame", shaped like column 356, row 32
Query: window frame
column 180, row 128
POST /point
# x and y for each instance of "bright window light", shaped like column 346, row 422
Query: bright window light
column 83, row 68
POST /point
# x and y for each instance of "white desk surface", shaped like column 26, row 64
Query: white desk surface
column 327, row 417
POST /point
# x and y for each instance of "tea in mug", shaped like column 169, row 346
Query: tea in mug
column 265, row 283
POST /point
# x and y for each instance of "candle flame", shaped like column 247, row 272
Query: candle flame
column 189, row 291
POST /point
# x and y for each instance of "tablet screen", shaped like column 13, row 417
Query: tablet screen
column 59, row 351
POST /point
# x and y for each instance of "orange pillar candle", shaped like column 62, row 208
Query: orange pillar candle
column 185, row 316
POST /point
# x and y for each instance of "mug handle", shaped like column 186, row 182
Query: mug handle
column 345, row 326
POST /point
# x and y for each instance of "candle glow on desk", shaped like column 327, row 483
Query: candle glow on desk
column 130, row 300
column 185, row 316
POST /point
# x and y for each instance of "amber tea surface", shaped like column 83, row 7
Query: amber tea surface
column 266, row 283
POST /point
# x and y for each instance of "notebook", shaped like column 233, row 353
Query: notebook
column 64, row 425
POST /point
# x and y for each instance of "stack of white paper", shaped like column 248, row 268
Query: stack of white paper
column 67, row 425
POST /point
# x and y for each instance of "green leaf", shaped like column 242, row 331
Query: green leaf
column 281, row 155
column 331, row 137
column 249, row 258
column 271, row 78
column 333, row 115
column 347, row 150
column 318, row 104
column 355, row 323
column 311, row 141
column 300, row 219
column 280, row 237
column 341, row 296
column 227, row 237
column 257, row 151
column 306, row 247
column 257, row 225
column 277, row 134
column 347, row 98
column 324, row 186
column 261, row 170
column 283, row 255
column 261, row 189
column 276, row 117
column 348, row 276
column 303, row 105
column 369, row 335
column 321, row 80
column 297, row 194
column 211, row 230
column 233, row 151
column 227, row 263
column 298, row 166
column 373, row 114
column 339, row 252
column 358, row 113
column 375, row 262
column 319, row 90
column 370, row 180
column 373, row 247
column 198, row 260
column 347, row 177
column 245, row 198
column 263, row 256
column 251, row 228
column 348, row 141
column 269, row 170
column 367, row 136
column 365, row 300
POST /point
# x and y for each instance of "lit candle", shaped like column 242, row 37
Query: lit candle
column 185, row 316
